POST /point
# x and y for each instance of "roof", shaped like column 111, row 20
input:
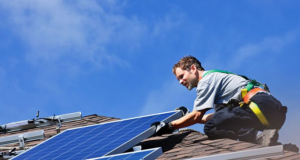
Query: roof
column 181, row 145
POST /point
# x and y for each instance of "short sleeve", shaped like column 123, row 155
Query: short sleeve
column 205, row 96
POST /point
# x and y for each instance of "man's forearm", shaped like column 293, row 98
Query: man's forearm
column 189, row 119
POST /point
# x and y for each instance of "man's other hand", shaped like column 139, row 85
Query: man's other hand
column 183, row 109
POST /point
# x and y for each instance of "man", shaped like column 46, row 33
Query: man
column 233, row 118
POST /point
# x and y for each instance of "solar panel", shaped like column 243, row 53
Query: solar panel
column 148, row 154
column 97, row 140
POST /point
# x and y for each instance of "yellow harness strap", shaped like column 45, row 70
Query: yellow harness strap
column 253, row 106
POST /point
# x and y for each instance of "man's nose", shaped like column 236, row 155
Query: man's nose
column 181, row 81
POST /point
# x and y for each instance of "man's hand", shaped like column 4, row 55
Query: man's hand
column 162, row 128
column 183, row 109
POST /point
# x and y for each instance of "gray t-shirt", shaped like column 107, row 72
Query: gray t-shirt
column 218, row 88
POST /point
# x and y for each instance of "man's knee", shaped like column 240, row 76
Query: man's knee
column 210, row 132
column 208, row 127
column 214, row 133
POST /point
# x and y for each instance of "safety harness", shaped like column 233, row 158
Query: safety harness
column 252, row 88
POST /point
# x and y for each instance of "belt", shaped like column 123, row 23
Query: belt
column 254, row 107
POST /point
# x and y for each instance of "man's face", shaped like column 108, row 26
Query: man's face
column 186, row 78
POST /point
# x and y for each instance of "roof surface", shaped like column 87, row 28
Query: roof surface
column 181, row 145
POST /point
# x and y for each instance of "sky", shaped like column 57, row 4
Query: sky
column 114, row 58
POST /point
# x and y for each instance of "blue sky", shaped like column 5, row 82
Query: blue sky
column 115, row 58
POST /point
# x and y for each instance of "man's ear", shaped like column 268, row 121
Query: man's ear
column 193, row 68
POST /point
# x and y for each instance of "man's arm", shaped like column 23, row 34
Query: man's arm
column 190, row 119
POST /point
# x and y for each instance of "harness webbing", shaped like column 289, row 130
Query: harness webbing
column 254, row 107
column 212, row 71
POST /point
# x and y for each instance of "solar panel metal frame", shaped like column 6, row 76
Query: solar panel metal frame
column 22, row 125
column 156, row 152
column 133, row 141
column 29, row 136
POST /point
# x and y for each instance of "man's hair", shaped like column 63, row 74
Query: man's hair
column 186, row 62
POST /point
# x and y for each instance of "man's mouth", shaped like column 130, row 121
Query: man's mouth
column 186, row 85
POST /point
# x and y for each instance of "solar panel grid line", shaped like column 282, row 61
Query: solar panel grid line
column 73, row 139
column 63, row 139
column 147, row 154
column 61, row 146
column 52, row 144
column 82, row 137
column 108, row 143
column 95, row 136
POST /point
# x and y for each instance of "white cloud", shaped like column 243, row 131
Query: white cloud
column 172, row 20
column 79, row 31
column 81, row 36
column 269, row 46
column 234, row 58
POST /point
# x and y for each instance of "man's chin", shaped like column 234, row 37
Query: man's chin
column 190, row 88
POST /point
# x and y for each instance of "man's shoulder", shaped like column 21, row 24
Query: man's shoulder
column 215, row 76
column 204, row 83
column 210, row 77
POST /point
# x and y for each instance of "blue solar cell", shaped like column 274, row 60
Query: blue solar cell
column 93, row 141
column 144, row 154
